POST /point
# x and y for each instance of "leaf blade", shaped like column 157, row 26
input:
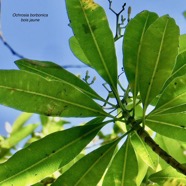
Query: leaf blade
column 20, row 121
column 182, row 47
column 164, row 123
column 16, row 137
column 133, row 38
column 179, row 69
column 173, row 98
column 154, row 60
column 91, row 29
column 168, row 176
column 60, row 99
column 52, row 71
column 124, row 167
column 94, row 165
column 30, row 167
column 144, row 151
column 77, row 50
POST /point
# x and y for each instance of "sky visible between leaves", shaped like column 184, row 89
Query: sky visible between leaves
column 47, row 39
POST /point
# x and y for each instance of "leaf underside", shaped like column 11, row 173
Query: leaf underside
column 46, row 156
column 31, row 93
column 94, row 36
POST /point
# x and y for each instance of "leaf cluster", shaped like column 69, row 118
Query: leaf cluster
column 147, row 144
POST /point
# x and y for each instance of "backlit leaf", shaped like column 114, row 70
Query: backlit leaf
column 20, row 121
column 52, row 71
column 157, row 57
column 124, row 167
column 176, row 149
column 132, row 41
column 89, row 169
column 32, row 93
column 17, row 136
column 179, row 69
column 91, row 29
column 182, row 44
column 173, row 99
column 168, row 177
column 45, row 156
column 172, row 125
column 77, row 50
column 144, row 151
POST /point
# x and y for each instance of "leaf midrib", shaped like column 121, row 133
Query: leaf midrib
column 61, row 80
column 96, row 162
column 97, row 47
column 50, row 156
column 50, row 97
column 125, row 162
column 146, row 150
column 137, row 62
column 165, row 123
column 160, row 109
column 155, row 68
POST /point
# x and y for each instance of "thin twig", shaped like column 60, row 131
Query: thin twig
column 21, row 56
column 74, row 66
column 118, row 28
column 4, row 41
column 10, row 48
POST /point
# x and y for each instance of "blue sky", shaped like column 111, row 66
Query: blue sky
column 48, row 38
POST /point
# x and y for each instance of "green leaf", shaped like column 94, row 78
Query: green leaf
column 20, row 121
column 184, row 14
column 17, row 136
column 89, row 169
column 52, row 71
column 182, row 44
column 142, row 167
column 173, row 99
column 176, row 149
column 157, row 58
column 179, row 69
column 169, row 177
column 133, row 38
column 32, row 93
column 91, row 29
column 45, row 156
column 78, row 51
column 144, row 151
column 172, row 125
column 124, row 167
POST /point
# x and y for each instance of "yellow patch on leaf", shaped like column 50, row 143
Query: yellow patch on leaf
column 89, row 4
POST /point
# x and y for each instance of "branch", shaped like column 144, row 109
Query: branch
column 9, row 47
column 74, row 66
column 4, row 42
column 163, row 154
column 154, row 146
